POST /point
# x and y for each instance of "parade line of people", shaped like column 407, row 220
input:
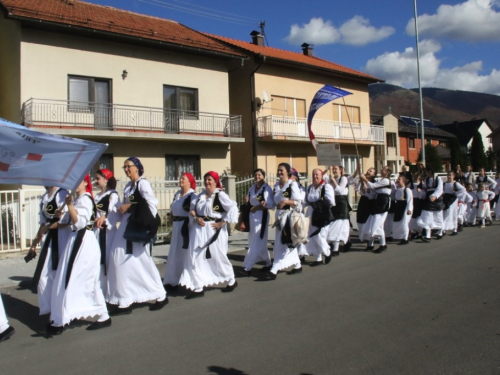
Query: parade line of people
column 95, row 252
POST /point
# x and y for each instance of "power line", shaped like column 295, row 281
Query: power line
column 219, row 17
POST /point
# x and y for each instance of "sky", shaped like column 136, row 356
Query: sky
column 459, row 40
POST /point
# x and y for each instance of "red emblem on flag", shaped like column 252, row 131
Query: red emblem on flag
column 34, row 157
column 4, row 167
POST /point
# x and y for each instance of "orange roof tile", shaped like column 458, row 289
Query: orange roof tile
column 112, row 20
column 294, row 57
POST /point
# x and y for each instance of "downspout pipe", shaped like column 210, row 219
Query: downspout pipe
column 254, row 113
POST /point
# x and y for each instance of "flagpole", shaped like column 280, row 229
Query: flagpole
column 419, row 85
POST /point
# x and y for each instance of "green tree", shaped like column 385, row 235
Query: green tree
column 477, row 156
column 432, row 158
column 492, row 158
column 457, row 155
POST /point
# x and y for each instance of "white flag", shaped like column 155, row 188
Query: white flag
column 34, row 158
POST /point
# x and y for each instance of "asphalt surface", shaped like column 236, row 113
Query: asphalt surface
column 415, row 309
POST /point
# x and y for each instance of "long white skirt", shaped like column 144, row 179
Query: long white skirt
column 339, row 230
column 374, row 226
column 401, row 228
column 132, row 278
column 257, row 247
column 497, row 210
column 470, row 214
column 388, row 225
column 83, row 297
column 461, row 213
column 44, row 287
column 483, row 210
column 450, row 217
column 176, row 256
column 318, row 244
column 199, row 271
column 4, row 323
column 430, row 220
column 110, row 237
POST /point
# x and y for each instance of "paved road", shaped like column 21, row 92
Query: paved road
column 416, row 309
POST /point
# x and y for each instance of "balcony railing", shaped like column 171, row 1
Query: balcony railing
column 64, row 114
column 283, row 127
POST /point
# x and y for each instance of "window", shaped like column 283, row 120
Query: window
column 443, row 143
column 299, row 162
column 104, row 162
column 85, row 93
column 180, row 105
column 349, row 162
column 288, row 107
column 391, row 140
column 175, row 165
column 346, row 113
column 411, row 142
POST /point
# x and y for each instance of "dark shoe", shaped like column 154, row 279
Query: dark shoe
column 170, row 287
column 328, row 259
column 194, row 294
column 403, row 242
column 54, row 331
column 426, row 239
column 249, row 273
column 265, row 269
column 369, row 248
column 347, row 246
column 460, row 228
column 380, row 249
column 121, row 311
column 5, row 335
column 316, row 263
column 272, row 276
column 302, row 260
column 413, row 235
column 158, row 305
column 98, row 325
column 335, row 253
column 294, row 271
column 389, row 239
column 230, row 288
column 438, row 237
column 454, row 234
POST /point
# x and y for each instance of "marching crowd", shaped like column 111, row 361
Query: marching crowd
column 95, row 252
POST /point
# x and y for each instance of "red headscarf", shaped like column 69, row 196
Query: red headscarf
column 191, row 179
column 215, row 176
column 88, row 189
column 106, row 173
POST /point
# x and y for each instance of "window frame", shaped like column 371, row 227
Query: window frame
column 176, row 157
column 91, row 93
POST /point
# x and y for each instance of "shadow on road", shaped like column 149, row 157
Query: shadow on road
column 25, row 313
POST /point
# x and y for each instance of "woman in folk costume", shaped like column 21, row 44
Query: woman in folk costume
column 48, row 261
column 471, row 211
column 261, row 199
column 206, row 262
column 451, row 191
column 132, row 273
column 320, row 197
column 418, row 202
column 483, row 203
column 77, row 292
column 295, row 177
column 339, row 228
column 389, row 220
column 374, row 227
column 464, row 201
column 488, row 182
column 497, row 194
column 366, row 202
column 6, row 331
column 287, row 197
column 108, row 218
column 404, row 209
column 179, row 242
column 432, row 210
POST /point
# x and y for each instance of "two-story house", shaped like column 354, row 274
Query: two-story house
column 149, row 87
column 273, row 90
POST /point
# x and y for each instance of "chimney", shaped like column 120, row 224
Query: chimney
column 257, row 39
column 307, row 49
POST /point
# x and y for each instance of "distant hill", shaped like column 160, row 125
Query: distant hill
column 441, row 106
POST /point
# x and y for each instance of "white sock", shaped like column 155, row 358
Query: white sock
column 336, row 245
column 231, row 282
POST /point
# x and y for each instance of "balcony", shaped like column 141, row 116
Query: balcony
column 120, row 120
column 292, row 128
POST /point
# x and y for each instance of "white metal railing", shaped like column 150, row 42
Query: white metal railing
column 297, row 127
column 66, row 114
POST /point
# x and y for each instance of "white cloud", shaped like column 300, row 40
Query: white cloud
column 357, row 31
column 400, row 68
column 471, row 21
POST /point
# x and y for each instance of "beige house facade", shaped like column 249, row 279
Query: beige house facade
column 273, row 91
column 388, row 154
column 164, row 99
